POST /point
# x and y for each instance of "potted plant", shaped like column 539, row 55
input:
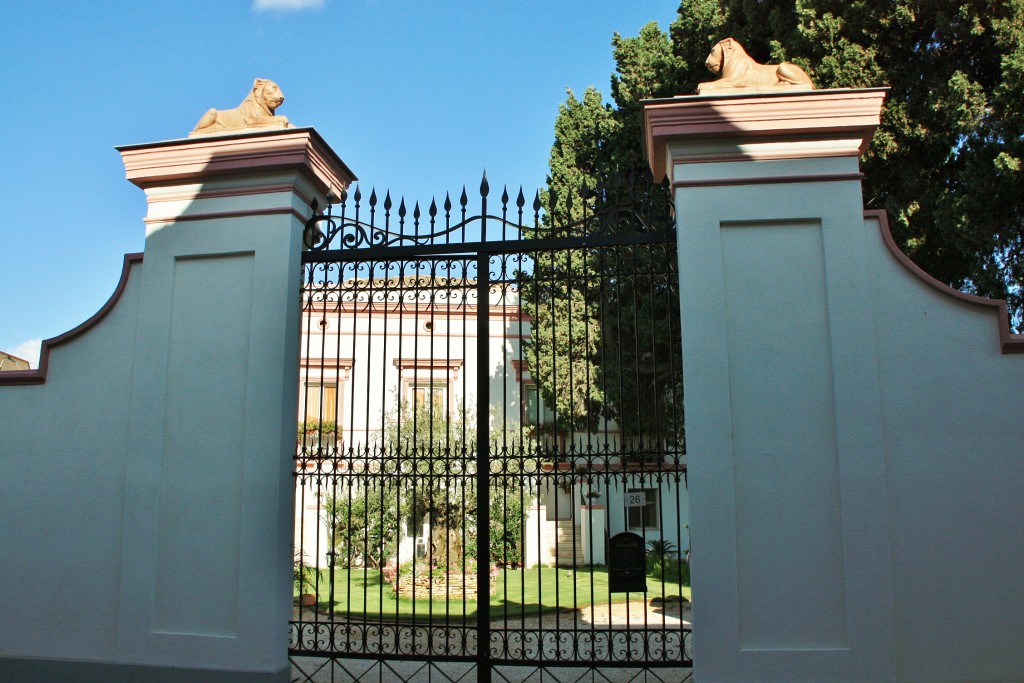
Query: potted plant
column 305, row 582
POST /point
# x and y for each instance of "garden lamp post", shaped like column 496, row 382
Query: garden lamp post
column 332, row 556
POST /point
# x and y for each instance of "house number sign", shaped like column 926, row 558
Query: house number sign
column 636, row 499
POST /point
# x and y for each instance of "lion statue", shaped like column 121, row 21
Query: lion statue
column 255, row 111
column 738, row 72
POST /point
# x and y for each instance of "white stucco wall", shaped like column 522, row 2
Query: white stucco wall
column 63, row 458
column 854, row 435
column 953, row 424
column 145, row 487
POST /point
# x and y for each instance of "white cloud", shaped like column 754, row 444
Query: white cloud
column 286, row 5
column 28, row 350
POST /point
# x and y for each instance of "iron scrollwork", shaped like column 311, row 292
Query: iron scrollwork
column 630, row 204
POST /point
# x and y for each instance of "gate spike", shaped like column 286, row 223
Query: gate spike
column 401, row 208
column 433, row 209
column 504, row 196
column 485, row 187
column 387, row 201
column 314, row 205
column 358, row 194
column 536, row 202
column 464, row 199
column 447, row 203
column 373, row 197
column 520, row 200
column 343, row 195
column 416, row 212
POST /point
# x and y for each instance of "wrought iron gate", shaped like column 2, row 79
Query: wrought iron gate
column 490, row 411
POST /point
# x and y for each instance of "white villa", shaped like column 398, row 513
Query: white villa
column 364, row 351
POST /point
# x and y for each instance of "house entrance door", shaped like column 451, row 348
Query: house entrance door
column 486, row 399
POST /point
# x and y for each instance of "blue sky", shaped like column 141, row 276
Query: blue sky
column 417, row 97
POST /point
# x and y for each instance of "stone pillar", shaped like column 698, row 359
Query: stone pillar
column 536, row 522
column 593, row 533
column 792, row 563
column 207, row 538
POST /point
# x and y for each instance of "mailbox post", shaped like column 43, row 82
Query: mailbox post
column 627, row 564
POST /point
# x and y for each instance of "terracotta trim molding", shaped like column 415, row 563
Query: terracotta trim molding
column 197, row 159
column 217, row 215
column 38, row 376
column 327, row 362
column 774, row 154
column 428, row 363
column 326, row 369
column 191, row 195
column 458, row 312
column 518, row 366
column 1008, row 342
column 767, row 180
column 817, row 114
column 614, row 467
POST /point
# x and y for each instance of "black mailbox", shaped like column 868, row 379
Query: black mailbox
column 627, row 564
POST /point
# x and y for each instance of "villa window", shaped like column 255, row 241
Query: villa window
column 321, row 415
column 535, row 412
column 642, row 509
column 427, row 384
column 321, row 402
column 429, row 396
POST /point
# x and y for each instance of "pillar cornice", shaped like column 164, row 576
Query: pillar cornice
column 194, row 160
column 758, row 127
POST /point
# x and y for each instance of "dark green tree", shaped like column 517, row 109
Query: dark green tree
column 946, row 163
column 561, row 293
column 430, row 449
column 605, row 341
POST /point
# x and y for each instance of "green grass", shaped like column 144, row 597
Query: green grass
column 517, row 593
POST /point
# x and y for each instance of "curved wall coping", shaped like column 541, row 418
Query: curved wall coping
column 38, row 376
column 1008, row 342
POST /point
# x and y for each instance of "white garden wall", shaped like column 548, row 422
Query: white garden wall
column 855, row 434
column 145, row 488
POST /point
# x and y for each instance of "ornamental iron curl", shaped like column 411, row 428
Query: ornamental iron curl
column 621, row 204
column 408, row 489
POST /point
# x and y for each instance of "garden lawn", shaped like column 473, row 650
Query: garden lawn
column 363, row 592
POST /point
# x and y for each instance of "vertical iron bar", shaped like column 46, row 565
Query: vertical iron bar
column 483, row 469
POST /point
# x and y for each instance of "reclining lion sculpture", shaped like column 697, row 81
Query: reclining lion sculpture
column 255, row 111
column 738, row 72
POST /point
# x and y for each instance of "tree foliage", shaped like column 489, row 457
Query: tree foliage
column 431, row 453
column 605, row 341
column 946, row 162
column 563, row 349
